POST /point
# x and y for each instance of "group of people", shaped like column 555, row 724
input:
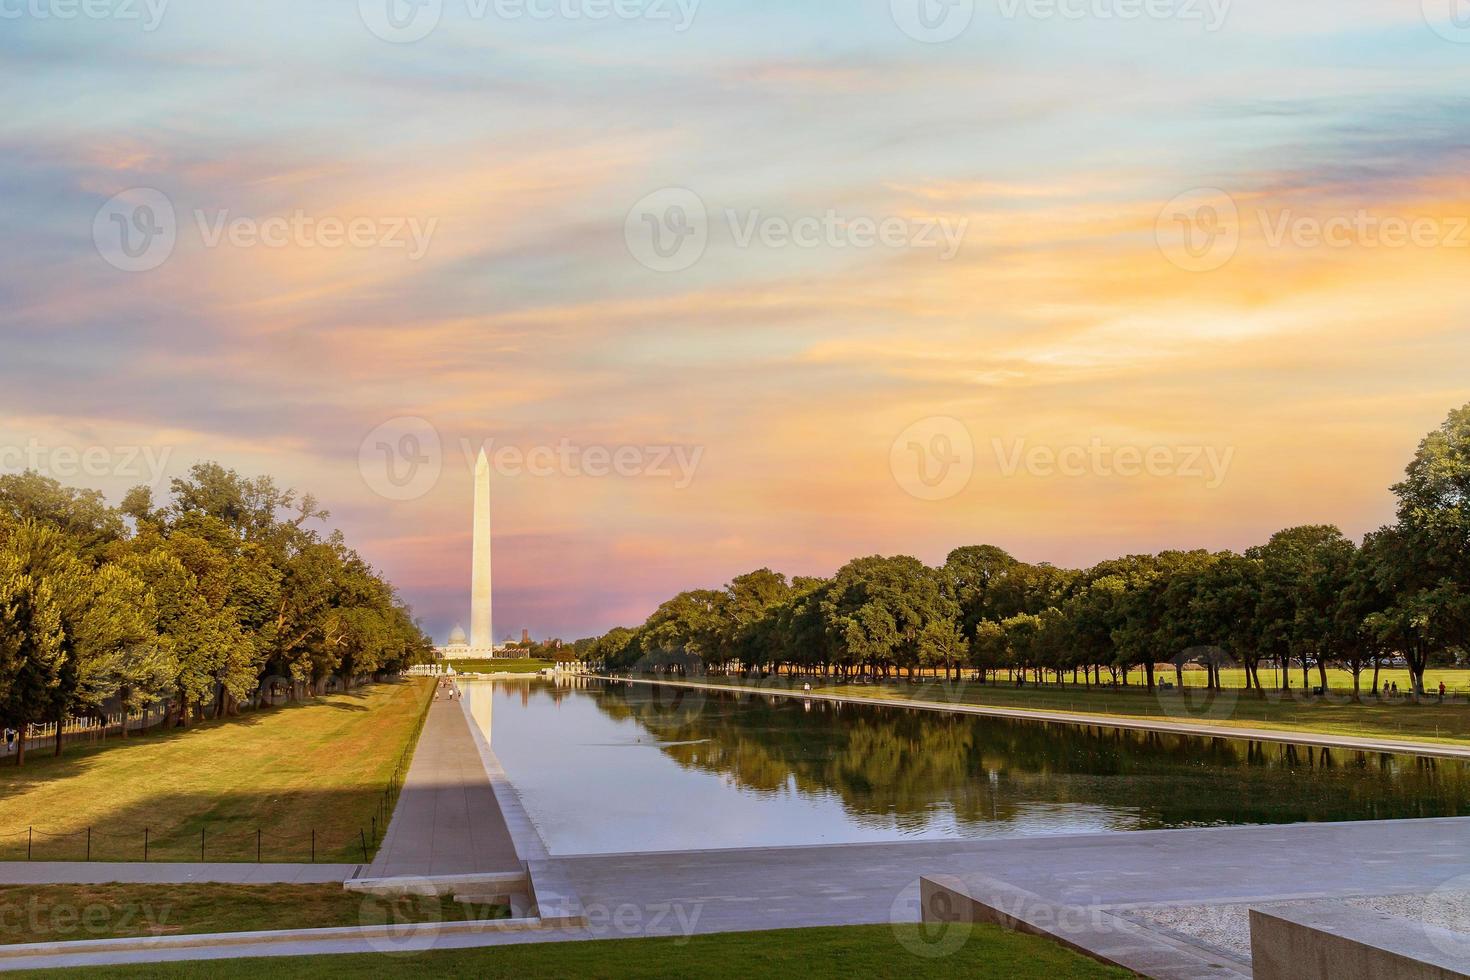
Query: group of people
column 1391, row 690
column 447, row 686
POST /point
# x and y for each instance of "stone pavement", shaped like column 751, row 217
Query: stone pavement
column 161, row 873
column 672, row 894
column 447, row 821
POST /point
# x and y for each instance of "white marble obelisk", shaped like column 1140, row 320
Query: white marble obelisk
column 482, row 636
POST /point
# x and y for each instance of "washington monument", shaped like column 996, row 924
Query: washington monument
column 482, row 637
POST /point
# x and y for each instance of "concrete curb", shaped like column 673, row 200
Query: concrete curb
column 395, row 933
column 172, row 873
column 498, row 882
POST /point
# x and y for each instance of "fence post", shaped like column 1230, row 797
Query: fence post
column 30, row 838
column 145, row 845
column 89, row 843
column 363, row 837
column 374, row 819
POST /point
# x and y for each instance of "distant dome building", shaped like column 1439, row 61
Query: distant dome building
column 458, row 640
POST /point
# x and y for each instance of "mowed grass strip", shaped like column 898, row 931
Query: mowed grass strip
column 1404, row 719
column 321, row 765
column 507, row 666
column 1456, row 679
column 813, row 954
column 70, row 913
column 1430, row 721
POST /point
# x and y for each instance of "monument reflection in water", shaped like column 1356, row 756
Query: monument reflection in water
column 605, row 767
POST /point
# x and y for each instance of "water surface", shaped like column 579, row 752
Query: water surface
column 604, row 767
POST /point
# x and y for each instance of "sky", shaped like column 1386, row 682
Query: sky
column 738, row 283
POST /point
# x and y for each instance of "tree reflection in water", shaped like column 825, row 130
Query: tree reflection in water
column 908, row 767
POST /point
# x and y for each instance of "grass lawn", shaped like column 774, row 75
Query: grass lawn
column 286, row 771
column 1427, row 722
column 63, row 913
column 508, row 666
column 813, row 954
column 1456, row 679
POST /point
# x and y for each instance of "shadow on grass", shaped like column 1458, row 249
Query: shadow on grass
column 289, row 773
column 41, row 762
column 219, row 827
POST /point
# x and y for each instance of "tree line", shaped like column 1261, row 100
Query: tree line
column 1309, row 598
column 222, row 593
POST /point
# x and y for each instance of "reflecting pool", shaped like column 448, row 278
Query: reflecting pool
column 608, row 766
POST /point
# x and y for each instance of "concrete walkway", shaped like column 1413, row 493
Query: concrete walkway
column 694, row 892
column 1437, row 749
column 447, row 821
column 162, row 873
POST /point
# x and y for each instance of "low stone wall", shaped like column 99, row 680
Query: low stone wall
column 1330, row 941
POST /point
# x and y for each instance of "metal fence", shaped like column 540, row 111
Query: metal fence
column 229, row 843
